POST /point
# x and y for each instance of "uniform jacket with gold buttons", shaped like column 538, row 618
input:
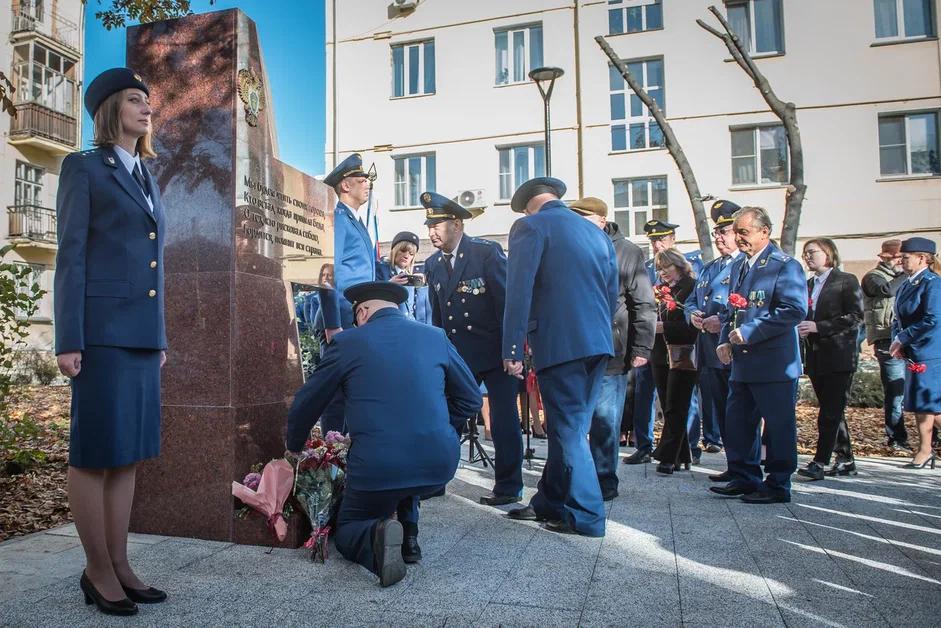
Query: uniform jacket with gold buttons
column 109, row 265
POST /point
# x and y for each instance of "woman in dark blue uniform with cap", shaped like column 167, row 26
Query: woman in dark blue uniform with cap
column 916, row 337
column 398, row 269
column 110, row 334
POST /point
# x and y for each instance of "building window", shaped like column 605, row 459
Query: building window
column 908, row 144
column 638, row 200
column 32, row 8
column 759, row 24
column 903, row 19
column 27, row 185
column 518, row 50
column 413, row 69
column 759, row 155
column 633, row 16
column 414, row 174
column 632, row 125
column 45, row 77
column 519, row 164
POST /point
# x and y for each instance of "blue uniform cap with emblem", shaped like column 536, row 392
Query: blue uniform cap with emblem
column 110, row 82
column 659, row 228
column 439, row 208
column 352, row 166
column 919, row 245
column 722, row 212
column 369, row 290
column 405, row 236
column 534, row 187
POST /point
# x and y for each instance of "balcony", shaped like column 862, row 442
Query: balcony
column 32, row 225
column 31, row 20
column 43, row 128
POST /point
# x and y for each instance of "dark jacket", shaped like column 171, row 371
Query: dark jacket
column 676, row 330
column 636, row 315
column 879, row 287
column 838, row 313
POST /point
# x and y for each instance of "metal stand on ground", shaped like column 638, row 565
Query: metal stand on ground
column 475, row 451
column 529, row 453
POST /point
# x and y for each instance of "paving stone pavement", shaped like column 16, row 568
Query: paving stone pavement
column 862, row 551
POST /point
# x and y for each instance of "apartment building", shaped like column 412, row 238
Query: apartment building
column 437, row 95
column 42, row 56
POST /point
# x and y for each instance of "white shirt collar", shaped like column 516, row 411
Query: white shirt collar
column 754, row 258
column 454, row 252
column 915, row 277
column 822, row 277
column 128, row 159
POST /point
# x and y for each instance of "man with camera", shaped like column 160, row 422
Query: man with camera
column 467, row 289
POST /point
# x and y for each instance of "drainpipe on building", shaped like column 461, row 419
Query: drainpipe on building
column 334, row 73
column 578, row 106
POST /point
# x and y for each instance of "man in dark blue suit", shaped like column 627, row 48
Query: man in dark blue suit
column 662, row 236
column 759, row 339
column 562, row 290
column 403, row 427
column 354, row 259
column 467, row 288
column 704, row 308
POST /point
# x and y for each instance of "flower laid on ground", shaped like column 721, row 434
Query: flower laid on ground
column 318, row 484
column 252, row 480
column 917, row 367
column 269, row 496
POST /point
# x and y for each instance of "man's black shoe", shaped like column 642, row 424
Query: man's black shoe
column 609, row 495
column 411, row 552
column 499, row 500
column 813, row 471
column 638, row 457
column 559, row 527
column 729, row 490
column 712, row 448
column 725, row 476
column 843, row 467
column 766, row 498
column 525, row 513
column 387, row 548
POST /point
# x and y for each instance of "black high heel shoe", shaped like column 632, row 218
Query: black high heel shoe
column 665, row 468
column 121, row 607
column 930, row 461
column 149, row 595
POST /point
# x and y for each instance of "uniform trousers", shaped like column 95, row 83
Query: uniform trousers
column 714, row 389
column 748, row 403
column 568, row 489
column 360, row 512
column 502, row 390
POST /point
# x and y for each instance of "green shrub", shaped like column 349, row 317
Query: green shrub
column 41, row 367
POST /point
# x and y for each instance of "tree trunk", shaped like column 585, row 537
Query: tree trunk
column 673, row 145
column 787, row 113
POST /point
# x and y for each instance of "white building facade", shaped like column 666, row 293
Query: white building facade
column 436, row 94
column 42, row 56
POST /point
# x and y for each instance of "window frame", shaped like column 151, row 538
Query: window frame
column 630, row 120
column 532, row 171
column 900, row 35
column 755, row 128
column 624, row 9
column 423, row 184
column 421, row 44
column 526, row 29
column 752, row 28
column 20, row 183
column 906, row 117
column 632, row 209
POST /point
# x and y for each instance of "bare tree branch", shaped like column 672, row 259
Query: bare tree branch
column 787, row 113
column 673, row 145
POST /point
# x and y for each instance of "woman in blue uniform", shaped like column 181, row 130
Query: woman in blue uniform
column 398, row 269
column 916, row 338
column 110, row 334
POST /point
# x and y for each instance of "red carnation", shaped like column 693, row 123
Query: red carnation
column 917, row 367
column 665, row 288
column 671, row 305
column 737, row 301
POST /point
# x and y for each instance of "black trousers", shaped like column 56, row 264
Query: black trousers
column 675, row 389
column 833, row 434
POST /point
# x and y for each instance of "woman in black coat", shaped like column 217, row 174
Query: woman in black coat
column 831, row 353
column 673, row 359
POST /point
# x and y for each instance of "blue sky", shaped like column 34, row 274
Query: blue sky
column 292, row 39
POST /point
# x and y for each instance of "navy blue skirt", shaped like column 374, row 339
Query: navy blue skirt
column 115, row 408
column 923, row 390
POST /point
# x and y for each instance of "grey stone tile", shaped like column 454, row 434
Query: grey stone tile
column 522, row 616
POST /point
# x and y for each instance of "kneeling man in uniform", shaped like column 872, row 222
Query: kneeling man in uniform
column 403, row 423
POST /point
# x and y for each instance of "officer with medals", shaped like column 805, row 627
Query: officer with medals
column 704, row 308
column 404, row 429
column 662, row 236
column 767, row 300
column 354, row 259
column 467, row 290
column 562, row 292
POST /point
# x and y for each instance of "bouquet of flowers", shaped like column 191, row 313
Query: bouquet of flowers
column 318, row 484
column 266, row 492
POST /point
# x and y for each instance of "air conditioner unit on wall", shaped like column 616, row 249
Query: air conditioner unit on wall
column 404, row 5
column 470, row 198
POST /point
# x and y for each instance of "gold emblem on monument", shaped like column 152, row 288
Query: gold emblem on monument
column 252, row 95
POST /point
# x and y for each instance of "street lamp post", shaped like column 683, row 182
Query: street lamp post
column 542, row 76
